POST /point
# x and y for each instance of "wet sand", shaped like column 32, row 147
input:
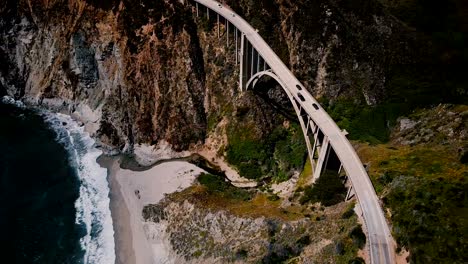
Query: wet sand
column 124, row 252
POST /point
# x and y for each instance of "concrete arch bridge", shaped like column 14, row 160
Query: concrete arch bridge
column 328, row 147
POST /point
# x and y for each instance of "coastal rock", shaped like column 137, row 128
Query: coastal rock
column 406, row 123
column 442, row 125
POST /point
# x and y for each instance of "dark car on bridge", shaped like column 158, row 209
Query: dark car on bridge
column 301, row 97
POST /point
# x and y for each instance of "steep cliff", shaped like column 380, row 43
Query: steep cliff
column 116, row 67
column 142, row 73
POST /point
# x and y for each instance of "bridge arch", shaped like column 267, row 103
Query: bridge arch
column 304, row 122
column 256, row 77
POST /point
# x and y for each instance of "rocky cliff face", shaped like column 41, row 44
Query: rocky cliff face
column 336, row 48
column 134, row 73
column 143, row 73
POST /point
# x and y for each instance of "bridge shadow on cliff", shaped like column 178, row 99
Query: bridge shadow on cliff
column 273, row 95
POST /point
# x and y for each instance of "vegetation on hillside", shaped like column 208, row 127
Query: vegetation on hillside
column 445, row 27
column 292, row 231
column 426, row 190
column 424, row 183
column 328, row 190
column 216, row 185
column 276, row 156
column 365, row 123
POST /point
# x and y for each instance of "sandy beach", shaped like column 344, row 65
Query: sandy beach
column 130, row 191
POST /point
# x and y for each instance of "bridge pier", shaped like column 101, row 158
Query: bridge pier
column 258, row 62
column 349, row 194
column 311, row 130
column 307, row 125
column 318, row 137
column 322, row 158
column 227, row 32
column 241, row 56
column 218, row 24
column 236, row 37
column 312, row 154
column 252, row 63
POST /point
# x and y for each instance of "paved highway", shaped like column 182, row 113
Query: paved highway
column 380, row 241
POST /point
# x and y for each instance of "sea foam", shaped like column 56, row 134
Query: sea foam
column 92, row 206
column 9, row 100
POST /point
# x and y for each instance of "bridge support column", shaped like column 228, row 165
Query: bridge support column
column 310, row 127
column 345, row 179
column 315, row 132
column 196, row 4
column 208, row 14
column 227, row 32
column 322, row 159
column 242, row 66
column 252, row 63
column 258, row 62
column 218, row 25
column 305, row 124
column 350, row 193
column 235, row 36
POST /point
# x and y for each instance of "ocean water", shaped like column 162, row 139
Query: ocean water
column 54, row 197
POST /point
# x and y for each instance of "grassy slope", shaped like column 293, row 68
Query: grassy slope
column 424, row 186
column 337, row 224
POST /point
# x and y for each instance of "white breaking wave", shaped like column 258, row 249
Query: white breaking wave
column 9, row 100
column 92, row 206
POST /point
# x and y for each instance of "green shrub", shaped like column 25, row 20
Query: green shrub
column 349, row 212
column 275, row 156
column 366, row 123
column 358, row 237
column 328, row 190
column 242, row 254
column 464, row 158
column 429, row 218
column 303, row 241
column 273, row 197
column 218, row 186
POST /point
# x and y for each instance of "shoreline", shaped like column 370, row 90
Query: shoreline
column 124, row 252
column 130, row 191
